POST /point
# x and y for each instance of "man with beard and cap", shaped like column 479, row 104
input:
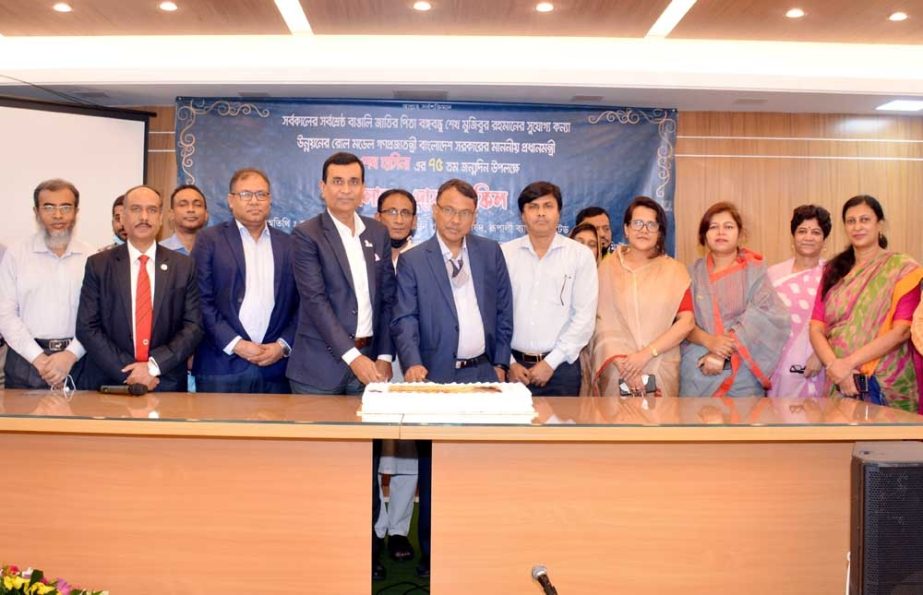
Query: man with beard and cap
column 397, row 211
column 40, row 281
column 189, row 211
column 139, row 314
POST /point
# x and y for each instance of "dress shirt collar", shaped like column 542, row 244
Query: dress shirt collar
column 446, row 253
column 244, row 230
column 557, row 243
column 39, row 245
column 134, row 253
column 343, row 230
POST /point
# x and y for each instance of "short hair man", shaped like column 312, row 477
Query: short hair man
column 147, row 289
column 118, row 229
column 453, row 321
column 40, row 282
column 249, row 299
column 189, row 212
column 555, row 291
column 397, row 211
column 598, row 217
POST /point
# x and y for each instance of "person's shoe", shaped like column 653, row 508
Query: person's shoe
column 423, row 567
column 399, row 548
column 378, row 571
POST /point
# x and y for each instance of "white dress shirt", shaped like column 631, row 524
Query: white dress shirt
column 471, row 341
column 133, row 256
column 40, row 294
column 554, row 298
column 352, row 243
column 259, row 286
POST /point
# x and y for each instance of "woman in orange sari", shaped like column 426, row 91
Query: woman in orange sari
column 860, row 328
column 644, row 309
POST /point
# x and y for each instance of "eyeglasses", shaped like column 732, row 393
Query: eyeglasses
column 63, row 209
column 247, row 195
column 452, row 213
column 340, row 182
column 639, row 224
column 404, row 213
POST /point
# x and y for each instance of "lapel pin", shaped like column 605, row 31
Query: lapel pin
column 377, row 258
column 368, row 244
column 163, row 266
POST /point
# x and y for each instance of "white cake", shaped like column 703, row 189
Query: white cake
column 427, row 402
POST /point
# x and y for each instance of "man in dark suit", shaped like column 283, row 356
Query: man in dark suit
column 249, row 300
column 342, row 266
column 139, row 316
column 345, row 279
column 453, row 321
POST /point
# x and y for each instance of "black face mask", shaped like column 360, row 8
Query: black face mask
column 398, row 244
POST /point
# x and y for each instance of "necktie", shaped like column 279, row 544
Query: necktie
column 457, row 272
column 143, row 313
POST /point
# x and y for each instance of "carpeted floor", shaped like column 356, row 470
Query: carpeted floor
column 402, row 576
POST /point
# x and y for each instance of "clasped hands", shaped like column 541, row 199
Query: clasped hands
column 54, row 367
column 720, row 349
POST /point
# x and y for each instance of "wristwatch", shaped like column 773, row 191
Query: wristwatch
column 286, row 350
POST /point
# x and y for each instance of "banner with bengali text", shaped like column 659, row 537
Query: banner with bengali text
column 601, row 156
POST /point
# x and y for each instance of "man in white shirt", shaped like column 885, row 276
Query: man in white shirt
column 40, row 281
column 189, row 212
column 139, row 312
column 555, row 289
column 249, row 299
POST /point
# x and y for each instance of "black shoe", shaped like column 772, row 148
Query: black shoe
column 423, row 567
column 378, row 571
column 399, row 548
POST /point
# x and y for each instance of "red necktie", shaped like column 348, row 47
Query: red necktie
column 143, row 313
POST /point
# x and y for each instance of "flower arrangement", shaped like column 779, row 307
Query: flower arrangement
column 33, row 582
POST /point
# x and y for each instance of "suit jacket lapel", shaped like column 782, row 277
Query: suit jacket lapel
column 277, row 262
column 368, row 250
column 336, row 244
column 122, row 273
column 163, row 281
column 440, row 273
column 476, row 262
column 236, row 246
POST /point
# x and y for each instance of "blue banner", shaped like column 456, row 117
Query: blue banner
column 598, row 156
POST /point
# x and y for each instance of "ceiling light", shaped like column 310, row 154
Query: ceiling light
column 898, row 16
column 422, row 5
column 670, row 18
column 167, row 6
column 544, row 7
column 795, row 13
column 902, row 105
column 293, row 15
column 62, row 7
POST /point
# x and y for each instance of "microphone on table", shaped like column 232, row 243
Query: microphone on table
column 135, row 390
column 540, row 573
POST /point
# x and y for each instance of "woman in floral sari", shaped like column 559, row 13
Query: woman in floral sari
column 644, row 309
column 799, row 373
column 741, row 324
column 862, row 317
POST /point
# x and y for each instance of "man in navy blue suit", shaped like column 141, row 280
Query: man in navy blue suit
column 453, row 321
column 248, row 297
column 343, row 270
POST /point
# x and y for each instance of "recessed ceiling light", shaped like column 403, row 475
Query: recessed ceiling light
column 62, row 7
column 422, row 5
column 544, row 7
column 167, row 6
column 795, row 13
column 898, row 16
column 670, row 17
column 902, row 105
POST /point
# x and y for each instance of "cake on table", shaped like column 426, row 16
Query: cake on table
column 429, row 402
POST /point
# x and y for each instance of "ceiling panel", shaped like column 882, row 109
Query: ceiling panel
column 825, row 21
column 589, row 18
column 141, row 17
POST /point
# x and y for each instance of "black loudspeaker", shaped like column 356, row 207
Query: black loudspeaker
column 886, row 536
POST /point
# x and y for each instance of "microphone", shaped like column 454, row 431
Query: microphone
column 135, row 390
column 540, row 573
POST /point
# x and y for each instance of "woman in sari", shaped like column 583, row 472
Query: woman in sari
column 860, row 329
column 799, row 373
column 741, row 324
column 644, row 309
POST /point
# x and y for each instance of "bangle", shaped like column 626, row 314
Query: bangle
column 654, row 351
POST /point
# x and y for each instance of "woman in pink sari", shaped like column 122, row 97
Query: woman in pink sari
column 799, row 373
column 860, row 329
